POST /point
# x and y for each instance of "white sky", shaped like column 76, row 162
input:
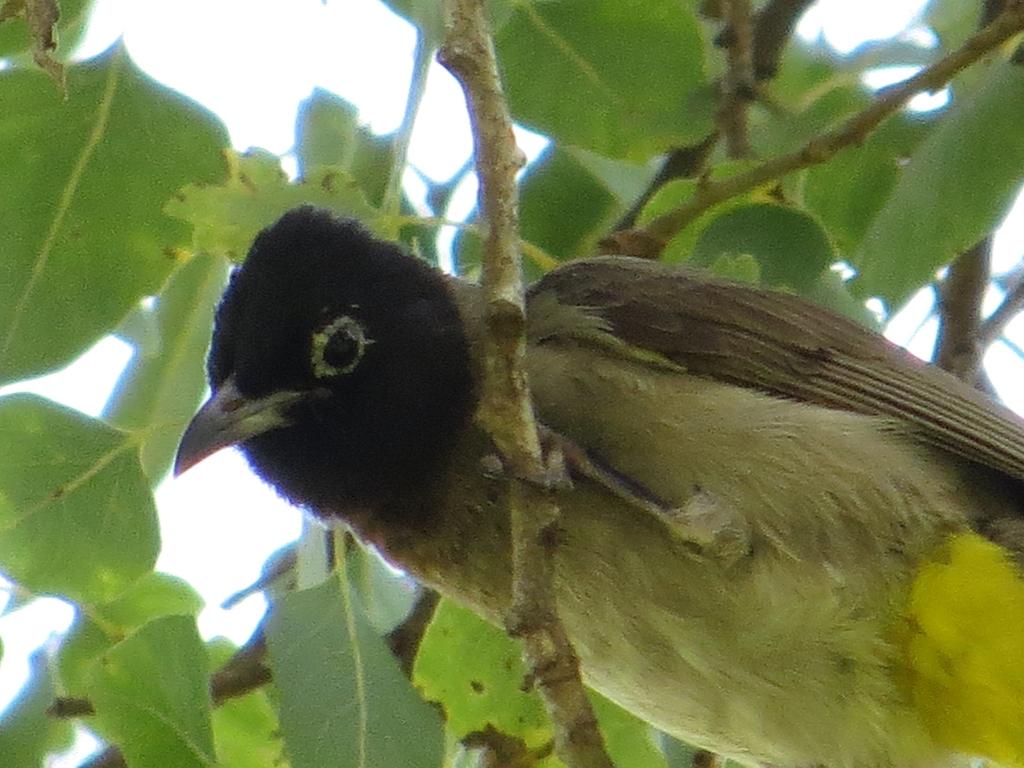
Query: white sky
column 252, row 62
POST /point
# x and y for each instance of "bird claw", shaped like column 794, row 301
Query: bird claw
column 553, row 474
column 704, row 521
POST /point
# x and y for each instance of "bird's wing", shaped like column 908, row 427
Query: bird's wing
column 786, row 346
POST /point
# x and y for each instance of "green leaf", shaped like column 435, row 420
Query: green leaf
column 159, row 390
column 343, row 699
column 245, row 728
column 328, row 134
column 620, row 77
column 386, row 596
column 954, row 191
column 625, row 181
column 475, row 672
column 953, row 21
column 27, row 733
column 227, row 217
column 847, row 192
column 76, row 513
column 84, row 237
column 679, row 191
column 783, row 132
column 790, row 246
column 805, row 69
column 95, row 631
column 152, row 696
column 563, row 211
column 742, row 267
column 425, row 15
column 832, row 291
column 630, row 741
column 15, row 37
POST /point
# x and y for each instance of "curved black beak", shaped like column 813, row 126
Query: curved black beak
column 229, row 417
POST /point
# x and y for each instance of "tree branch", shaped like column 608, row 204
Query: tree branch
column 650, row 240
column 704, row 759
column 1013, row 302
column 961, row 342
column 243, row 673
column 506, row 408
column 737, row 85
column 773, row 26
column 404, row 640
column 957, row 346
column 680, row 163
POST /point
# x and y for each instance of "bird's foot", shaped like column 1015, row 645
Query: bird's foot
column 711, row 525
column 553, row 474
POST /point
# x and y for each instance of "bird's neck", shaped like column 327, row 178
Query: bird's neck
column 454, row 535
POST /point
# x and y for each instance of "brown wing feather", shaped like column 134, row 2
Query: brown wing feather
column 784, row 345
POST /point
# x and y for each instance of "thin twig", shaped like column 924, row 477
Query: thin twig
column 1011, row 306
column 738, row 83
column 110, row 757
column 243, row 673
column 773, row 26
column 990, row 9
column 506, row 408
column 680, row 163
column 704, row 759
column 957, row 347
column 423, row 55
column 651, row 239
column 404, row 640
column 963, row 336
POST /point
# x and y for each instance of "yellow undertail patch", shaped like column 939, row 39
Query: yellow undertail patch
column 965, row 649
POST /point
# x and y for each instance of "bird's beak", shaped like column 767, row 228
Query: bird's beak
column 228, row 418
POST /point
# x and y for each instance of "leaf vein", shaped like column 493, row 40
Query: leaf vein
column 64, row 204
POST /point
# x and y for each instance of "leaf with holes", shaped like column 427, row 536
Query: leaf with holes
column 475, row 671
column 227, row 217
column 17, row 35
column 328, row 134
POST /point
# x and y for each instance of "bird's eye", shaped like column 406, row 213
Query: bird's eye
column 338, row 347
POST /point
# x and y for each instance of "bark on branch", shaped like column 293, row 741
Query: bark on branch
column 506, row 408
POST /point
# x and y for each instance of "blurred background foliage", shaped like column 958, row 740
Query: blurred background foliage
column 123, row 207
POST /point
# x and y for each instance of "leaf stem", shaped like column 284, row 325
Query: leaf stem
column 392, row 202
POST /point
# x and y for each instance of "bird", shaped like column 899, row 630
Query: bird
column 785, row 539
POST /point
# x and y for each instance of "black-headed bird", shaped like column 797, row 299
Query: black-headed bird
column 786, row 540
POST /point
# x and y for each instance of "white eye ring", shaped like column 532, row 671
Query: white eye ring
column 352, row 332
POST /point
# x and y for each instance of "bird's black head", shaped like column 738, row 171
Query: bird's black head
column 340, row 365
